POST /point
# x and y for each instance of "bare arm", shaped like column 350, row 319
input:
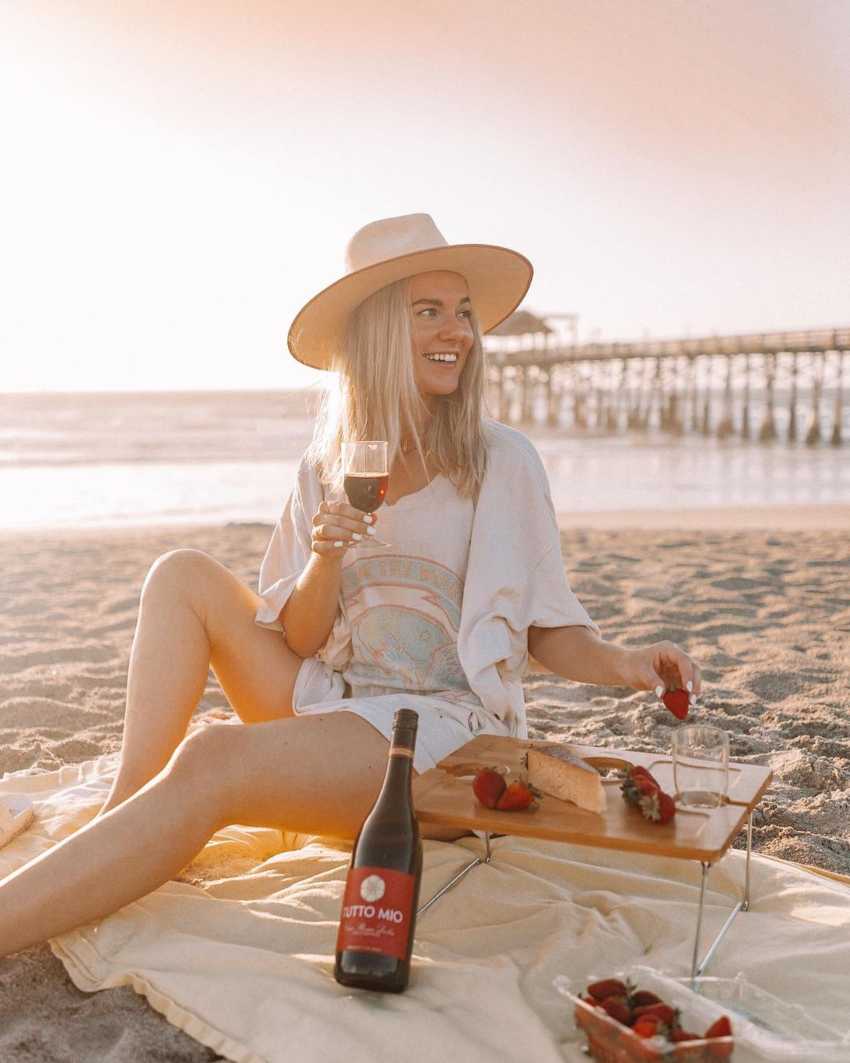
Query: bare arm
column 579, row 654
column 311, row 609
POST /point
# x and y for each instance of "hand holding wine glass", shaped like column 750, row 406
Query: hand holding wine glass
column 338, row 525
column 366, row 476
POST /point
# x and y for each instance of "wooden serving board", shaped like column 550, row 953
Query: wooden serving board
column 444, row 797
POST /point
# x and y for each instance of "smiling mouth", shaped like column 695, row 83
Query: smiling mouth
column 442, row 357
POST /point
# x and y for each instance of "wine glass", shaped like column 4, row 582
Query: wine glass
column 366, row 476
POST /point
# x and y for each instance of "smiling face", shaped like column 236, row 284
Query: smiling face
column 441, row 330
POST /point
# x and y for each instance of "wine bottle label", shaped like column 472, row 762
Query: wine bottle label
column 401, row 751
column 377, row 911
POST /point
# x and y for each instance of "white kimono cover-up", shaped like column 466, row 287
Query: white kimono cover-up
column 514, row 579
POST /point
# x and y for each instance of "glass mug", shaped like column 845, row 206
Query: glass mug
column 700, row 766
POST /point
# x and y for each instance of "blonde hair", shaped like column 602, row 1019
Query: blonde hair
column 374, row 396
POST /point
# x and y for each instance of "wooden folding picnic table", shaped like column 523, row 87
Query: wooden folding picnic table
column 443, row 797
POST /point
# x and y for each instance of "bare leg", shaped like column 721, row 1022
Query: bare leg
column 194, row 614
column 314, row 773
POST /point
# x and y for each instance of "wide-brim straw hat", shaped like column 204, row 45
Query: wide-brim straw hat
column 390, row 249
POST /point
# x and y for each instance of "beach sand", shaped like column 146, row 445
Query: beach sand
column 760, row 600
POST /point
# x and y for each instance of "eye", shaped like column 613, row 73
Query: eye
column 425, row 311
column 466, row 313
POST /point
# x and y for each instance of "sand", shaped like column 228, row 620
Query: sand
column 761, row 601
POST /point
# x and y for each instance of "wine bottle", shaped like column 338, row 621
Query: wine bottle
column 378, row 915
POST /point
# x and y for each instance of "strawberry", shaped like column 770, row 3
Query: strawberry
column 663, row 1012
column 721, row 1028
column 683, row 1035
column 637, row 782
column 658, row 807
column 639, row 769
column 489, row 786
column 518, row 796
column 643, row 997
column 608, row 987
column 677, row 701
column 645, row 785
column 641, row 790
column 618, row 1009
column 646, row 1026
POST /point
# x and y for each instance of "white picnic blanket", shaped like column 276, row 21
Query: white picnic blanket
column 243, row 960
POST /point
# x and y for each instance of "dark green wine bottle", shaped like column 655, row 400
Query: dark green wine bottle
column 378, row 916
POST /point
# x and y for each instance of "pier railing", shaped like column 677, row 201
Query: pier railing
column 715, row 385
column 541, row 349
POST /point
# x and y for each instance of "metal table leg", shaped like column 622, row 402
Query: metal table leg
column 697, row 967
column 464, row 871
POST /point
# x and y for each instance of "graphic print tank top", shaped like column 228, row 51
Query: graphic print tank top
column 402, row 602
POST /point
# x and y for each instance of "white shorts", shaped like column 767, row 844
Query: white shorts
column 446, row 721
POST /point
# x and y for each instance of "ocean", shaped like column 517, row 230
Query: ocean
column 122, row 459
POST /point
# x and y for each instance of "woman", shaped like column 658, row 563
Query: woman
column 442, row 620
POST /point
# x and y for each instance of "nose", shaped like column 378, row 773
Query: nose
column 456, row 330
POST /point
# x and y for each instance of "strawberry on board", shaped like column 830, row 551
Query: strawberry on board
column 517, row 796
column 677, row 701
column 645, row 784
column 488, row 786
column 639, row 769
column 641, row 790
column 637, row 783
column 658, row 807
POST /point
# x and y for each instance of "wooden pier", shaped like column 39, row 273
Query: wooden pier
column 760, row 386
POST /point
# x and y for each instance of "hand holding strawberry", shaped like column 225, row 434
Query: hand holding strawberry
column 661, row 667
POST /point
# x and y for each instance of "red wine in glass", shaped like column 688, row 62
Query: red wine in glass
column 365, row 492
column 366, row 476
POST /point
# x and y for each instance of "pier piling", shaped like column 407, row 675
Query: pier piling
column 747, row 386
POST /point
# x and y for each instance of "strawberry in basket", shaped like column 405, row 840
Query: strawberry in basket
column 643, row 1019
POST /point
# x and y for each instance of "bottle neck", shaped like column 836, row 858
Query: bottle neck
column 399, row 767
column 393, row 809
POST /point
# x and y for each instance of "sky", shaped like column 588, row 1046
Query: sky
column 179, row 177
